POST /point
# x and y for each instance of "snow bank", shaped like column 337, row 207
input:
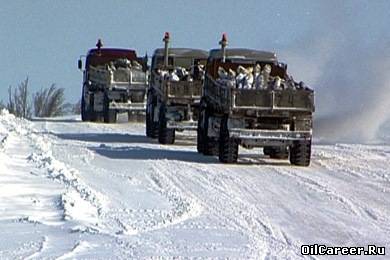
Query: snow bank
column 79, row 202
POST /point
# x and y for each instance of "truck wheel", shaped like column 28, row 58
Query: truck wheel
column 228, row 147
column 148, row 126
column 109, row 116
column 84, row 112
column 149, row 122
column 165, row 135
column 300, row 152
column 151, row 126
column 202, row 131
column 200, row 135
column 154, row 126
column 205, row 144
column 148, row 116
column 92, row 114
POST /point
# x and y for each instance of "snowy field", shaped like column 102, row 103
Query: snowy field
column 70, row 189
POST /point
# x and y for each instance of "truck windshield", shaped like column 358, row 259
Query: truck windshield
column 105, row 56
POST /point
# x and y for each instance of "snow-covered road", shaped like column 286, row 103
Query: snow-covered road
column 70, row 189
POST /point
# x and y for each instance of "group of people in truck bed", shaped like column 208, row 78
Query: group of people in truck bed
column 119, row 68
column 194, row 73
column 254, row 78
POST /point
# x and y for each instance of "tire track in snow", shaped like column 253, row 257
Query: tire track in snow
column 3, row 142
column 123, row 220
column 224, row 200
column 80, row 246
column 285, row 246
column 359, row 162
column 322, row 188
column 185, row 206
column 349, row 201
column 42, row 246
column 279, row 237
column 368, row 173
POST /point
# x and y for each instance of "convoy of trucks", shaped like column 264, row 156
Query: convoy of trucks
column 230, row 97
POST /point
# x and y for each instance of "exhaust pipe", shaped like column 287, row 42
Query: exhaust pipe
column 166, row 43
column 99, row 45
column 223, row 42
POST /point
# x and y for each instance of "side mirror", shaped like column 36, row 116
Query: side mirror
column 80, row 64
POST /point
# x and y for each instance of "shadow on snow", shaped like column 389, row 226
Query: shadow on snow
column 160, row 152
column 146, row 153
column 106, row 138
column 56, row 120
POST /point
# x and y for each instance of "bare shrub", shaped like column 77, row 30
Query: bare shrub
column 49, row 102
column 18, row 101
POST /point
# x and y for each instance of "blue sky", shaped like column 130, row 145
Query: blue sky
column 43, row 39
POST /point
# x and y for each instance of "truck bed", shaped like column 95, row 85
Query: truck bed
column 234, row 99
column 180, row 91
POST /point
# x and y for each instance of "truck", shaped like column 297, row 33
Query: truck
column 115, row 80
column 249, row 99
column 176, row 79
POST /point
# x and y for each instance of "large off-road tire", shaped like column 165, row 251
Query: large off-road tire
column 202, row 131
column 300, row 153
column 276, row 152
column 148, row 117
column 148, row 125
column 228, row 147
column 165, row 135
column 109, row 115
column 205, row 144
column 92, row 114
column 200, row 135
column 151, row 126
column 84, row 111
